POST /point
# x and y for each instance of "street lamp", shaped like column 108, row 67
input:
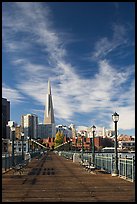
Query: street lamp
column 82, row 147
column 115, row 118
column 28, row 143
column 76, row 143
column 22, row 139
column 90, row 147
column 13, row 138
column 93, row 146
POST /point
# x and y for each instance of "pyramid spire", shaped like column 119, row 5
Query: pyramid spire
column 49, row 88
column 49, row 112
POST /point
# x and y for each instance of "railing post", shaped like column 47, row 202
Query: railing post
column 101, row 162
column 126, row 166
column 107, row 163
column 5, row 161
column 133, row 172
column 13, row 138
column 111, row 163
column 95, row 160
column 9, row 161
column 119, row 164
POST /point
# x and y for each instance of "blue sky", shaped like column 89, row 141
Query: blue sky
column 86, row 49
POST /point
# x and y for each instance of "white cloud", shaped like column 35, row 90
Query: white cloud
column 105, row 45
column 127, row 112
column 13, row 95
column 71, row 93
column 127, row 118
column 81, row 128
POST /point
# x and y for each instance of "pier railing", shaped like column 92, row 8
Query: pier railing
column 106, row 162
column 127, row 168
column 7, row 160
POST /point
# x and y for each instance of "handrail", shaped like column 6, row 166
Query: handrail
column 62, row 144
column 38, row 143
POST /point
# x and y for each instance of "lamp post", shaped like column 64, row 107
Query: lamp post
column 93, row 146
column 13, row 139
column 22, row 139
column 90, row 148
column 115, row 118
column 82, row 148
column 76, row 143
column 28, row 144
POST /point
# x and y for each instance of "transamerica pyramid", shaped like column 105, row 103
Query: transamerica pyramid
column 49, row 112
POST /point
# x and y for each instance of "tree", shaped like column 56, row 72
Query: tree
column 59, row 138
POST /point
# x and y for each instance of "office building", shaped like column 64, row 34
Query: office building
column 29, row 125
column 67, row 131
column 5, row 116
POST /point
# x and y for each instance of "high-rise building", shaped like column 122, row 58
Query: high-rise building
column 5, row 115
column 42, row 131
column 49, row 113
column 29, row 125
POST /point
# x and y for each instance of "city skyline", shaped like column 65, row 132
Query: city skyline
column 85, row 49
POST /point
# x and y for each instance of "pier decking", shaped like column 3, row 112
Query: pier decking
column 56, row 179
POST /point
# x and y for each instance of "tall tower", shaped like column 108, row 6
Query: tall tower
column 49, row 112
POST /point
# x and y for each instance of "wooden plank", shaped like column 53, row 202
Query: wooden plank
column 54, row 179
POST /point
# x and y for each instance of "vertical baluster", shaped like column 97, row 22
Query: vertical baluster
column 107, row 163
column 133, row 172
column 119, row 164
column 111, row 163
column 126, row 166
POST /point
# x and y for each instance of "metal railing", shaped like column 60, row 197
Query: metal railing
column 7, row 160
column 67, row 155
column 127, row 168
column 106, row 162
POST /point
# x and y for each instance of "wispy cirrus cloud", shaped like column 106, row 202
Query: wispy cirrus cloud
column 71, row 93
column 102, row 92
column 106, row 46
column 12, row 94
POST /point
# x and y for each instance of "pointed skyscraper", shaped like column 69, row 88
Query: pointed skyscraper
column 49, row 112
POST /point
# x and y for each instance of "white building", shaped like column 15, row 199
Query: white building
column 8, row 129
column 65, row 130
column 82, row 133
column 101, row 131
column 7, row 146
column 29, row 125
column 18, row 146
column 73, row 130
column 126, row 144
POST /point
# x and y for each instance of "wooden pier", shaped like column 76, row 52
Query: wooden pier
column 53, row 178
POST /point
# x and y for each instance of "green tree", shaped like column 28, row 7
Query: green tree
column 59, row 138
